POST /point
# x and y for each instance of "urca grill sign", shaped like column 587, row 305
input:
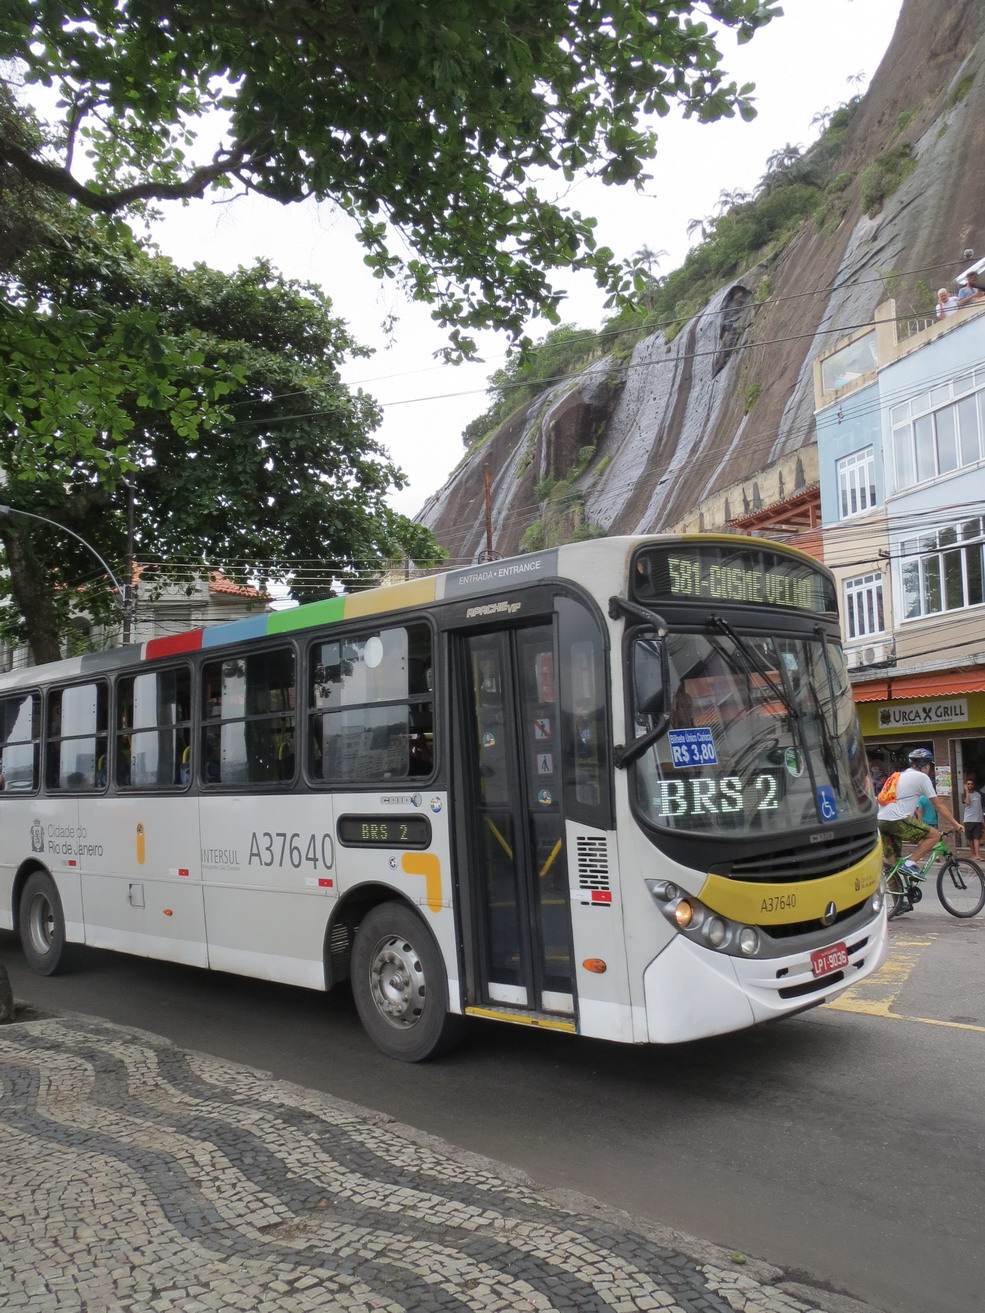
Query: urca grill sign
column 904, row 716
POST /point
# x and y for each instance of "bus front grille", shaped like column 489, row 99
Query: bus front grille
column 807, row 862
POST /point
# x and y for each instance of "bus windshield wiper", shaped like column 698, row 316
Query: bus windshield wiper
column 827, row 738
column 759, row 665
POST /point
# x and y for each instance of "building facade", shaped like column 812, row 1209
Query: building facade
column 901, row 465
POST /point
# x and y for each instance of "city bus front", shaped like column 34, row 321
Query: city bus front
column 753, row 820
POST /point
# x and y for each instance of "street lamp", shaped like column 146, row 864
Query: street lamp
column 121, row 592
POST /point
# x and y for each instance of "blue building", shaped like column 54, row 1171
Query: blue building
column 900, row 411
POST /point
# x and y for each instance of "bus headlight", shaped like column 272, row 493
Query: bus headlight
column 663, row 890
column 748, row 940
column 715, row 931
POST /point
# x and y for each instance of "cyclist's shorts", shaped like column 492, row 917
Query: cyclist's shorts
column 900, row 832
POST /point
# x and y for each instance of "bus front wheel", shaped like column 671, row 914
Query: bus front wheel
column 400, row 986
column 42, row 924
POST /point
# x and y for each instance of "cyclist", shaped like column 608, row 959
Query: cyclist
column 897, row 820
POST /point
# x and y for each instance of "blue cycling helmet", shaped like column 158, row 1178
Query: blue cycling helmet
column 921, row 757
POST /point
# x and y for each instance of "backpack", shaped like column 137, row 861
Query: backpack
column 888, row 791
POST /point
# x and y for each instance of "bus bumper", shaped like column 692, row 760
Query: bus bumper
column 691, row 991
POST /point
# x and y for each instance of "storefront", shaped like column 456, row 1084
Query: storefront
column 942, row 712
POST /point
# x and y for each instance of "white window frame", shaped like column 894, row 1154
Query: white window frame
column 856, row 483
column 923, row 410
column 938, row 559
column 865, row 614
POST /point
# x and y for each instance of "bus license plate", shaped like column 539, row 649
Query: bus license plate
column 826, row 960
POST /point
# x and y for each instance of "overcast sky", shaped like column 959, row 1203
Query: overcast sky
column 805, row 62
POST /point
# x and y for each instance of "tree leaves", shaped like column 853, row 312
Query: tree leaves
column 426, row 121
column 217, row 397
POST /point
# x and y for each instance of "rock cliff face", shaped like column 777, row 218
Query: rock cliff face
column 731, row 396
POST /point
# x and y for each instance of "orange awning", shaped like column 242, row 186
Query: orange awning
column 937, row 684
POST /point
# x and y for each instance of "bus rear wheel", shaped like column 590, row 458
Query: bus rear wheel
column 400, row 986
column 42, row 924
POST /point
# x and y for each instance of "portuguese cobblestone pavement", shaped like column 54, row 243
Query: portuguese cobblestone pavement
column 141, row 1178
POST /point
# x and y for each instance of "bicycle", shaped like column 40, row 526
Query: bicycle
column 960, row 882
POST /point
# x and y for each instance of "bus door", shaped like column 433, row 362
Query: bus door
column 520, row 941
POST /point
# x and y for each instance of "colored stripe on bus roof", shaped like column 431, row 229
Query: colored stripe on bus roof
column 253, row 626
column 325, row 612
column 375, row 600
column 172, row 645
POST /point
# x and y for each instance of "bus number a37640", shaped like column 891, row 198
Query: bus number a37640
column 295, row 850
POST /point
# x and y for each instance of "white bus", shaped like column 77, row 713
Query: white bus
column 616, row 788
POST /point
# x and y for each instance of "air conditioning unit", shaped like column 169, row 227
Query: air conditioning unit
column 874, row 654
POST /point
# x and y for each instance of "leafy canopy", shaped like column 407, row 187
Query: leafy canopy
column 429, row 121
column 110, row 358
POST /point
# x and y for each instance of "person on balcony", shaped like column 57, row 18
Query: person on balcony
column 947, row 303
column 971, row 292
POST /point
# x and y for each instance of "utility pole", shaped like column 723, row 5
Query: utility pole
column 128, row 583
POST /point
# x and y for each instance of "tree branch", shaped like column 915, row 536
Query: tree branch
column 60, row 179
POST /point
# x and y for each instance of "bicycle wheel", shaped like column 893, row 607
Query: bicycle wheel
column 961, row 887
column 895, row 892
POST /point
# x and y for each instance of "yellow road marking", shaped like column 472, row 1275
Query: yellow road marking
column 875, row 996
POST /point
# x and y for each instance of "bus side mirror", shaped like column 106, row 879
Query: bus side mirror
column 650, row 678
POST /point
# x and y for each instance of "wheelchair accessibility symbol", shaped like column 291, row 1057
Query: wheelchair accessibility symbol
column 826, row 804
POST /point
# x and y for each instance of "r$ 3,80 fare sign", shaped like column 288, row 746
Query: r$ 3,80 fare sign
column 692, row 747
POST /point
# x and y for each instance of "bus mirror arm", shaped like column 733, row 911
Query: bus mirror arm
column 622, row 608
column 623, row 754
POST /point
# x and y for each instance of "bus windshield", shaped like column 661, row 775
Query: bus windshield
column 761, row 737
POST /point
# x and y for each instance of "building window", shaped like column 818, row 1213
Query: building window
column 863, row 606
column 939, row 430
column 849, row 364
column 944, row 570
column 856, row 483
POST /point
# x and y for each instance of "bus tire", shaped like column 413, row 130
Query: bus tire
column 400, row 987
column 42, row 924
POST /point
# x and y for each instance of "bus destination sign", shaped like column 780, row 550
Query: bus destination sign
column 713, row 572
column 384, row 831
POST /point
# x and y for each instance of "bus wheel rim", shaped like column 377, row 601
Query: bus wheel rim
column 397, row 982
column 40, row 924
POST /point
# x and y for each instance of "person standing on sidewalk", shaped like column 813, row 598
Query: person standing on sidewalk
column 896, row 818
column 972, row 816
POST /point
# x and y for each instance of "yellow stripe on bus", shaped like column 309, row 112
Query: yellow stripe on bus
column 376, row 600
column 428, row 865
column 784, row 903
column 522, row 1019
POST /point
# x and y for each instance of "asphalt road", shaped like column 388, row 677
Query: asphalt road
column 847, row 1144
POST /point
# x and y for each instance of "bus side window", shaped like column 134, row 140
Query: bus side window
column 152, row 730
column 248, row 729
column 77, row 740
column 369, row 705
column 20, row 743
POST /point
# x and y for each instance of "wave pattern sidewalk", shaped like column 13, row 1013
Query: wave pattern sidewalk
column 141, row 1178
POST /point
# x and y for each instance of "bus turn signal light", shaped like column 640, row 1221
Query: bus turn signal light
column 595, row 964
column 683, row 913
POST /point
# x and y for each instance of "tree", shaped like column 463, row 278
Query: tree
column 284, row 469
column 429, row 122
